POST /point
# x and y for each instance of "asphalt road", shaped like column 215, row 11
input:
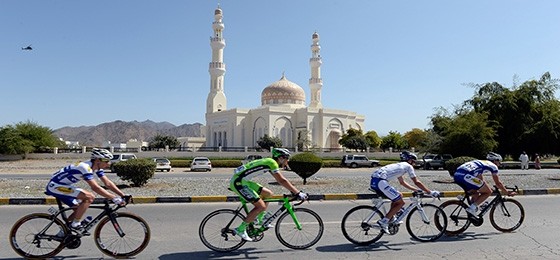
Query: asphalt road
column 175, row 236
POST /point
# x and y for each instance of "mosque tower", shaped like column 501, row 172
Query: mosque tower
column 315, row 82
column 216, row 100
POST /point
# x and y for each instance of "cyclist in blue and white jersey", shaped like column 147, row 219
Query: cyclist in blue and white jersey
column 469, row 177
column 61, row 185
column 380, row 183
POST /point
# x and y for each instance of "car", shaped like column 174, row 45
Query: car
column 437, row 161
column 121, row 157
column 358, row 160
column 162, row 164
column 201, row 163
column 251, row 157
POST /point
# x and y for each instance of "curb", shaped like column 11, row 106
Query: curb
column 197, row 199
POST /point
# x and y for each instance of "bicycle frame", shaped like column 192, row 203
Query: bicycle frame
column 416, row 202
column 495, row 200
column 285, row 201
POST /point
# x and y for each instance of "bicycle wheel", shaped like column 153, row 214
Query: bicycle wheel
column 457, row 217
column 216, row 235
column 423, row 224
column 134, row 238
column 309, row 234
column 359, row 225
column 507, row 215
column 38, row 235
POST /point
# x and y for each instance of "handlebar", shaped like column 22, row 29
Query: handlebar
column 293, row 197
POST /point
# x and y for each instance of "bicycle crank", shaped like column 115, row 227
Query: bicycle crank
column 72, row 242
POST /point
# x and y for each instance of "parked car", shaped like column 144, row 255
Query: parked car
column 201, row 163
column 356, row 160
column 251, row 157
column 425, row 159
column 436, row 161
column 121, row 157
column 162, row 164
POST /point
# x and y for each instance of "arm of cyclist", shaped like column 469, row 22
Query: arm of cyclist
column 117, row 199
column 501, row 186
column 419, row 184
column 289, row 186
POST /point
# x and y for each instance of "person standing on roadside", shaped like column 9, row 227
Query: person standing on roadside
column 524, row 158
column 537, row 161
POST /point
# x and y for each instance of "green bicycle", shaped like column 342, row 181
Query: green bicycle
column 296, row 228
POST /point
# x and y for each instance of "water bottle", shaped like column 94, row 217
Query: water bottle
column 266, row 216
column 87, row 220
column 401, row 211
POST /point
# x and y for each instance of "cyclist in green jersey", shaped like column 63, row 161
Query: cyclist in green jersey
column 253, row 192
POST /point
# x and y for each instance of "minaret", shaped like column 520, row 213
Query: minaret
column 216, row 100
column 315, row 82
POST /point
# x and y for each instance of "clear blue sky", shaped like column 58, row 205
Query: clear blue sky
column 393, row 61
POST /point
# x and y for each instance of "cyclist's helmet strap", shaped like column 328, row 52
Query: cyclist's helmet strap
column 280, row 152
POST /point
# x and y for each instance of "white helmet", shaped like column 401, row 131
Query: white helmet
column 492, row 156
column 97, row 153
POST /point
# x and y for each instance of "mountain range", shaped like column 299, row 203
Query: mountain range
column 121, row 131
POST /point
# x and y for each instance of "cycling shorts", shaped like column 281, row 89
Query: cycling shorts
column 382, row 187
column 66, row 193
column 247, row 190
column 467, row 181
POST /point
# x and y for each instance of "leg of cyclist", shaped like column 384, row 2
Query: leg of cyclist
column 72, row 196
column 249, row 191
column 86, row 198
column 382, row 187
column 475, row 187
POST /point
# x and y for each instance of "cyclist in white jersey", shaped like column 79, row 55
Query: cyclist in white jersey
column 380, row 183
column 469, row 177
column 61, row 185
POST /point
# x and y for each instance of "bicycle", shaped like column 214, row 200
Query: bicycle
column 44, row 235
column 296, row 228
column 359, row 224
column 506, row 214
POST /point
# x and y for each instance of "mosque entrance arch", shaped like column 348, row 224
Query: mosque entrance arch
column 283, row 129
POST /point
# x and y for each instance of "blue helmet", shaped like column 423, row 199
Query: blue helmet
column 406, row 155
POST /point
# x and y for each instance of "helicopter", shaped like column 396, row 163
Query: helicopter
column 28, row 48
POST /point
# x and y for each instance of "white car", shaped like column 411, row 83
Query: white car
column 162, row 164
column 201, row 163
column 121, row 157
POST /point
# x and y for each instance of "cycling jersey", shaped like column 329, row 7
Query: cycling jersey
column 468, row 175
column 381, row 177
column 61, row 182
column 394, row 171
column 240, row 181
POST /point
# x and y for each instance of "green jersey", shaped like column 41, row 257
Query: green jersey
column 256, row 168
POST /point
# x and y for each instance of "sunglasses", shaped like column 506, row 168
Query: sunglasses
column 104, row 160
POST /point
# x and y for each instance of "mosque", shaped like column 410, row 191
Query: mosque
column 283, row 112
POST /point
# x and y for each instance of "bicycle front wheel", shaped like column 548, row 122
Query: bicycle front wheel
column 457, row 216
column 507, row 215
column 217, row 230
column 126, row 237
column 38, row 235
column 359, row 227
column 422, row 224
column 311, row 229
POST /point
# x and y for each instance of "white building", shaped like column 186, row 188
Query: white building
column 283, row 112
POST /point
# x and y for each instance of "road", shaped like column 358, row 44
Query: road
column 175, row 236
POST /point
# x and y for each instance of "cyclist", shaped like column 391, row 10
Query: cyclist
column 255, row 193
column 61, row 185
column 469, row 177
column 380, row 183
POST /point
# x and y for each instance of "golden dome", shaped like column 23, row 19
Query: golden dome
column 283, row 92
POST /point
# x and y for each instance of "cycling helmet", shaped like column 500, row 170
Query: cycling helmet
column 278, row 152
column 97, row 153
column 406, row 155
column 492, row 156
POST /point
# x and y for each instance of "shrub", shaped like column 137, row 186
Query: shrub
column 178, row 163
column 137, row 171
column 452, row 164
column 305, row 165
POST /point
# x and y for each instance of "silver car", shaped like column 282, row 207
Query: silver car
column 201, row 163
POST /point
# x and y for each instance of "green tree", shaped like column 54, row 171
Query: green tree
column 354, row 139
column 26, row 137
column 373, row 140
column 161, row 141
column 416, row 138
column 266, row 142
column 393, row 139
